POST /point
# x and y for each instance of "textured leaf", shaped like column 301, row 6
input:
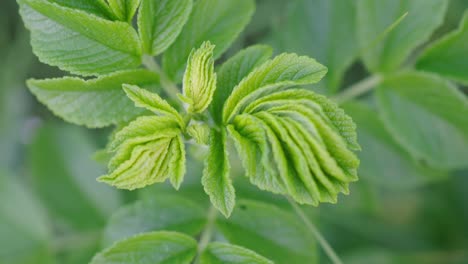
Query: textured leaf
column 200, row 79
column 168, row 212
column 222, row 253
column 61, row 167
column 124, row 9
column 150, row 248
column 160, row 22
column 79, row 42
column 269, row 231
column 94, row 103
column 233, row 71
column 324, row 29
column 447, row 56
column 147, row 151
column 216, row 180
column 284, row 70
column 374, row 16
column 199, row 132
column 383, row 161
column 427, row 116
column 95, row 7
column 217, row 21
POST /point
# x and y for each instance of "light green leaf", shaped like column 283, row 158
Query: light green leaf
column 199, row 132
column 270, row 231
column 147, row 151
column 222, row 253
column 152, row 102
column 79, row 42
column 324, row 29
column 233, row 71
column 24, row 228
column 167, row 212
column 383, row 161
column 124, row 9
column 200, row 78
column 150, row 248
column 64, row 177
column 374, row 16
column 447, row 56
column 160, row 22
column 216, row 179
column 282, row 71
column 427, row 116
column 217, row 21
column 96, row 102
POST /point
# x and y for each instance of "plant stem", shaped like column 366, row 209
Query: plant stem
column 207, row 233
column 169, row 87
column 315, row 232
column 358, row 89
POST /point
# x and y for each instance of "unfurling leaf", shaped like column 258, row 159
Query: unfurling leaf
column 199, row 132
column 124, row 9
column 223, row 253
column 200, row 79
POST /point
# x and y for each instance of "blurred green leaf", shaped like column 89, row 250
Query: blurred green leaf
column 323, row 29
column 150, row 248
column 427, row 115
column 221, row 253
column 160, row 22
column 156, row 213
column 270, row 231
column 448, row 56
column 64, row 177
column 95, row 7
column 374, row 17
column 217, row 21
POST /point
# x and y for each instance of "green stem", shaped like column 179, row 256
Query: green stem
column 358, row 89
column 171, row 89
column 207, row 233
column 315, row 232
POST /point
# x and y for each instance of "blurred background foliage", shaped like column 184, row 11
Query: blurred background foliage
column 53, row 211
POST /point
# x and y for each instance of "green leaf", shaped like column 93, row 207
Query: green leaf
column 152, row 102
column 427, row 116
column 199, row 132
column 374, row 16
column 217, row 21
column 24, row 228
column 124, row 9
column 222, row 253
column 216, row 180
column 69, row 38
column 168, row 212
column 383, row 161
column 150, row 248
column 64, row 177
column 233, row 71
column 96, row 102
column 270, row 231
column 148, row 150
column 447, row 56
column 200, row 79
column 95, row 7
column 321, row 29
column 160, row 22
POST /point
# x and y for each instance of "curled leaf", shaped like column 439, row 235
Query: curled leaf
column 199, row 132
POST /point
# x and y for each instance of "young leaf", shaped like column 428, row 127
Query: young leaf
column 217, row 21
column 150, row 248
column 124, row 9
column 168, row 212
column 68, row 38
column 200, row 79
column 95, row 7
column 427, row 116
column 447, row 56
column 216, row 180
column 199, row 132
column 160, row 22
column 222, row 253
column 233, row 71
column 147, row 151
column 96, row 102
column 270, row 231
column 374, row 16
